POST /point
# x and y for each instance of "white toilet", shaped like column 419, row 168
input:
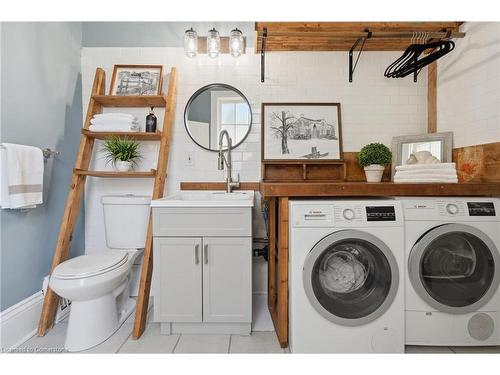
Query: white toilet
column 98, row 284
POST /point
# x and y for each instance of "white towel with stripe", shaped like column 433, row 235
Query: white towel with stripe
column 21, row 175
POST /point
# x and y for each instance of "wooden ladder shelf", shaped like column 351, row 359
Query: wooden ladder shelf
column 97, row 102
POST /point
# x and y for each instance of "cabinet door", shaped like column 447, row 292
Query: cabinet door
column 178, row 284
column 227, row 279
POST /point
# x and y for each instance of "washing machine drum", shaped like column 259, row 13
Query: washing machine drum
column 455, row 268
column 350, row 277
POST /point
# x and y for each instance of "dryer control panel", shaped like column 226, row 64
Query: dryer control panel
column 481, row 208
column 453, row 209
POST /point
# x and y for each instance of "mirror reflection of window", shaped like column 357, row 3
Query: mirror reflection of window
column 434, row 147
column 229, row 112
column 234, row 117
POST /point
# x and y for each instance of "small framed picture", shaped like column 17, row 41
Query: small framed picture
column 301, row 132
column 136, row 80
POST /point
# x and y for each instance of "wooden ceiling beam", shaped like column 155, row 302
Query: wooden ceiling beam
column 340, row 36
column 357, row 26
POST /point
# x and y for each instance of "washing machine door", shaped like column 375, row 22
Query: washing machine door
column 455, row 268
column 350, row 277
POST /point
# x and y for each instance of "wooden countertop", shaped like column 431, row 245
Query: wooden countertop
column 356, row 189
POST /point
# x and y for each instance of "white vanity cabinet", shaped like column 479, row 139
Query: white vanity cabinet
column 178, row 284
column 202, row 270
column 227, row 279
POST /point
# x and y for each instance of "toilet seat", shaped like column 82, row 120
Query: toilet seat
column 89, row 265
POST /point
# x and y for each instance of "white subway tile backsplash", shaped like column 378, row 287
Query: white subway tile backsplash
column 469, row 87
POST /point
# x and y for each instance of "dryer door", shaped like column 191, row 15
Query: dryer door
column 350, row 277
column 455, row 268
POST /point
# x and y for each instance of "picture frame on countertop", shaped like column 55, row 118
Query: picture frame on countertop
column 439, row 145
column 137, row 80
column 305, row 132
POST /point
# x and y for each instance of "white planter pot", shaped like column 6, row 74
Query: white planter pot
column 374, row 172
column 123, row 166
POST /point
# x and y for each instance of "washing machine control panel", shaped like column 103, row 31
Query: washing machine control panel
column 351, row 214
column 452, row 208
column 348, row 214
column 345, row 214
column 319, row 215
column 380, row 213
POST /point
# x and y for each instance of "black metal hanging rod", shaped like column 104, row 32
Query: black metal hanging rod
column 352, row 67
column 363, row 34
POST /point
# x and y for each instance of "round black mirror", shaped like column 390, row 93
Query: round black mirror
column 214, row 108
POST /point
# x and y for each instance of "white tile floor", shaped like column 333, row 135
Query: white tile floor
column 153, row 342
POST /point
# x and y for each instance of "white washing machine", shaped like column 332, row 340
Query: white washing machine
column 453, row 271
column 346, row 262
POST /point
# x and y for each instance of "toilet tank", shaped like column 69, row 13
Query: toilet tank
column 126, row 220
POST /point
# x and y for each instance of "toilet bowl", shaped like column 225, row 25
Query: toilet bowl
column 98, row 285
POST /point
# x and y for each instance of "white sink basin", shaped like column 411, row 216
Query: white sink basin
column 195, row 198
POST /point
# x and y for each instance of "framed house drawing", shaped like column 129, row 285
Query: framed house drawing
column 136, row 80
column 301, row 132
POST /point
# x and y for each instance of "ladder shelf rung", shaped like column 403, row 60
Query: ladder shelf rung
column 135, row 135
column 130, row 101
column 116, row 174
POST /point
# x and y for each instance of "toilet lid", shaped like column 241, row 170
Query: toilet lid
column 89, row 265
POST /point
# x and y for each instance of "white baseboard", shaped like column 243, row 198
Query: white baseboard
column 19, row 322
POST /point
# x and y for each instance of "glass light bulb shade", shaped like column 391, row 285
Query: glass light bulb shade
column 213, row 43
column 190, row 43
column 236, row 43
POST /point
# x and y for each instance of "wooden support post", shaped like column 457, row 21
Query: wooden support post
column 158, row 191
column 72, row 207
column 432, row 98
column 282, row 269
column 271, row 259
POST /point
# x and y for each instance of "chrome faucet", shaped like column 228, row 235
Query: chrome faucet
column 230, row 184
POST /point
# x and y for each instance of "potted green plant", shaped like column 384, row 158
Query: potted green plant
column 373, row 158
column 122, row 152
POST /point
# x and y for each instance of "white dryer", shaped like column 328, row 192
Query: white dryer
column 453, row 271
column 346, row 271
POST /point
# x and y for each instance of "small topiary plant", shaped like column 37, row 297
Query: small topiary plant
column 374, row 153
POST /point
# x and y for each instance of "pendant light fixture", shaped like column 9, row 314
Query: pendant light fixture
column 236, row 42
column 213, row 43
column 190, row 43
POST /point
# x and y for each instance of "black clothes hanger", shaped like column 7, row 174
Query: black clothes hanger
column 409, row 62
column 443, row 49
column 418, row 49
column 408, row 54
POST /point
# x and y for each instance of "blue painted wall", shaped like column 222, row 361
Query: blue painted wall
column 154, row 34
column 41, row 102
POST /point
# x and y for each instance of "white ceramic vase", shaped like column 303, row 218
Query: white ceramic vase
column 374, row 172
column 123, row 166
